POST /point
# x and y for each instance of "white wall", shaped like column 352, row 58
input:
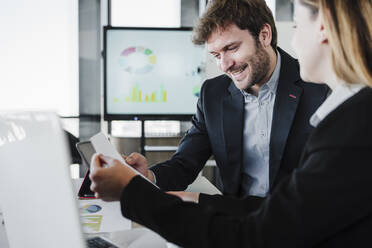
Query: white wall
column 146, row 13
column 39, row 55
column 285, row 33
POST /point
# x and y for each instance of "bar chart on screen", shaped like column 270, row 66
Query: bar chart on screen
column 138, row 95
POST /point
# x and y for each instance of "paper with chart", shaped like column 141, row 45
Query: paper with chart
column 98, row 216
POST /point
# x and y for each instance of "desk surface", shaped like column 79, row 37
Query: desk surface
column 137, row 237
column 134, row 238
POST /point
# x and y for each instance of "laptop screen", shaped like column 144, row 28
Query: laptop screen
column 37, row 197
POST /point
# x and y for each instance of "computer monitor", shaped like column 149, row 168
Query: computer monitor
column 151, row 73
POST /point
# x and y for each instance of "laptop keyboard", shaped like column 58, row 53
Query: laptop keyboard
column 98, row 242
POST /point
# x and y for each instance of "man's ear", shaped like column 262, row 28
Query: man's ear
column 265, row 35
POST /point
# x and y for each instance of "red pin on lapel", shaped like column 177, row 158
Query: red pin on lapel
column 293, row 96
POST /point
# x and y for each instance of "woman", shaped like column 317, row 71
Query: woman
column 327, row 202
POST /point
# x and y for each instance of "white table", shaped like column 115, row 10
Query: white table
column 137, row 237
column 134, row 238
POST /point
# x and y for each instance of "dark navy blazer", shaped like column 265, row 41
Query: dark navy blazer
column 218, row 130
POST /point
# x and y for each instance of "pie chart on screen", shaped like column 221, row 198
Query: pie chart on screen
column 137, row 60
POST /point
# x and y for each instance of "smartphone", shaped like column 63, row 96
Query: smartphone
column 86, row 152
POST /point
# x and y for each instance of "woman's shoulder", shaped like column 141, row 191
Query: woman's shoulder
column 349, row 125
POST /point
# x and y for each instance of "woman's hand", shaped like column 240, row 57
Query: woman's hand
column 109, row 177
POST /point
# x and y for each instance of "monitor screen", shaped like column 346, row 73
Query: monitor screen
column 151, row 73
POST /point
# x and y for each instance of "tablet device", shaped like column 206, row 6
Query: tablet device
column 86, row 151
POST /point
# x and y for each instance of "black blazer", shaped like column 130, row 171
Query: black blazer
column 218, row 129
column 326, row 202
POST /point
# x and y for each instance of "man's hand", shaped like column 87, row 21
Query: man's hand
column 186, row 196
column 108, row 182
column 139, row 162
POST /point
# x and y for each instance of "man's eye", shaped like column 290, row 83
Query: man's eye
column 232, row 48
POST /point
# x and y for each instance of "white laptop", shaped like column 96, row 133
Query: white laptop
column 36, row 193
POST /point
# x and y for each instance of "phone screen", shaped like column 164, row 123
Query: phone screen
column 86, row 151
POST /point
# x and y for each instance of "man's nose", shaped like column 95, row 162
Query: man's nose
column 225, row 63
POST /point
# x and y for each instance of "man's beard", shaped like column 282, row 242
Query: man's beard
column 259, row 65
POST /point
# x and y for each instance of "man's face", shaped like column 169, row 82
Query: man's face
column 239, row 55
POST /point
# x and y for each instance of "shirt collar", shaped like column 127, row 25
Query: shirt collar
column 272, row 84
column 340, row 94
column 273, row 81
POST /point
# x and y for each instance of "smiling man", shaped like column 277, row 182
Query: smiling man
column 253, row 119
column 249, row 62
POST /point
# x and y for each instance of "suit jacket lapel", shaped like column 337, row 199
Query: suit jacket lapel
column 233, row 114
column 286, row 101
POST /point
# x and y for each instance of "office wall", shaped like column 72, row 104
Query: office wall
column 39, row 55
column 89, row 56
column 89, row 67
column 189, row 12
column 285, row 33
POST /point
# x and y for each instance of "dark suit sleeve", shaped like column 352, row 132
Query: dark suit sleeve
column 311, row 206
column 229, row 204
column 193, row 151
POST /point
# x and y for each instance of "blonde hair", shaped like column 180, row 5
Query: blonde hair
column 348, row 24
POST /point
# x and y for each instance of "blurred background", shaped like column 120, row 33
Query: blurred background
column 52, row 58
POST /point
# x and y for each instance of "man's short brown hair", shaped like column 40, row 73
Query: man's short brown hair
column 248, row 15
